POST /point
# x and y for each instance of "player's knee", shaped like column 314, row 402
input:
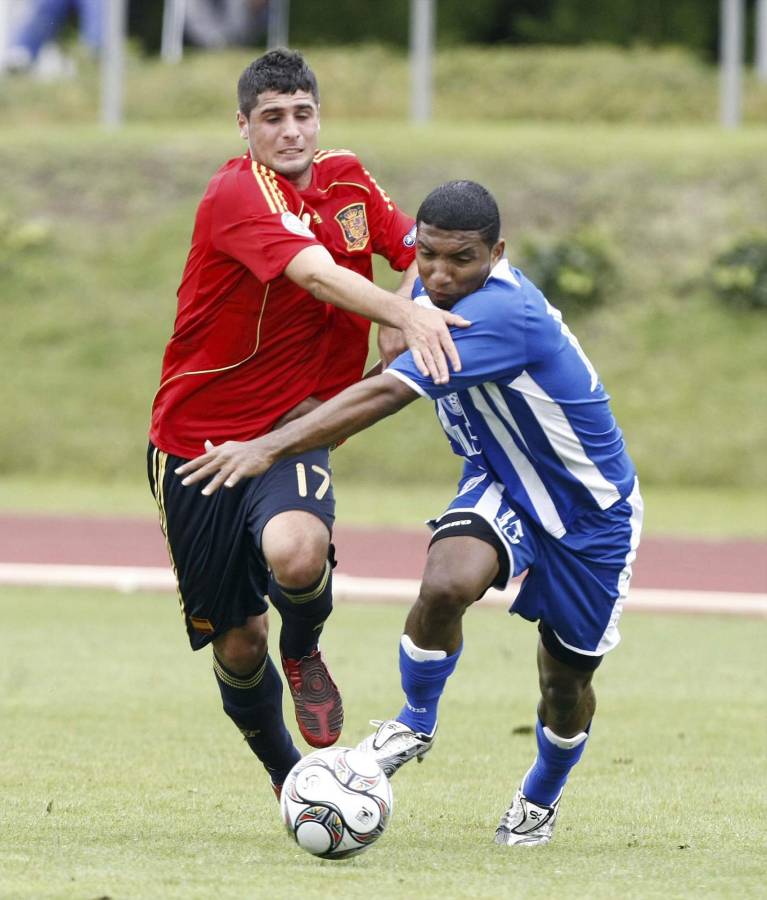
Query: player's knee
column 444, row 594
column 242, row 650
column 300, row 564
column 296, row 550
column 563, row 693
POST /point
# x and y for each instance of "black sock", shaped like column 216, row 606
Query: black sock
column 304, row 611
column 254, row 703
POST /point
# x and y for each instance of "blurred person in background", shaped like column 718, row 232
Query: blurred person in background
column 225, row 23
column 41, row 23
column 547, row 488
column 280, row 229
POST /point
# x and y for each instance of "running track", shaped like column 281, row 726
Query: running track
column 382, row 563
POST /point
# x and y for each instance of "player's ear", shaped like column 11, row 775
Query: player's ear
column 242, row 124
column 497, row 252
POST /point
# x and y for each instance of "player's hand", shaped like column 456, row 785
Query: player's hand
column 228, row 463
column 427, row 335
column 391, row 342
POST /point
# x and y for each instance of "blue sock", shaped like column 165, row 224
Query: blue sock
column 556, row 756
column 423, row 674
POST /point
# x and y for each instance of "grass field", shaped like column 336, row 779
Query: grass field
column 89, row 307
column 94, row 229
column 121, row 778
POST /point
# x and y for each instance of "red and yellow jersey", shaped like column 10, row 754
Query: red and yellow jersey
column 354, row 218
column 249, row 344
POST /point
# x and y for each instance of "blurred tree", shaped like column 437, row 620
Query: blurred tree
column 348, row 21
column 690, row 23
column 145, row 23
column 481, row 21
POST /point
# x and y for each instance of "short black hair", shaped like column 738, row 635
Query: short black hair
column 462, row 206
column 280, row 70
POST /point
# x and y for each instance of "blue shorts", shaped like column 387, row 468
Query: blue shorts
column 576, row 584
column 214, row 542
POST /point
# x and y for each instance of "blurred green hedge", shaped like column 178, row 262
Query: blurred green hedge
column 498, row 84
column 95, row 225
column 739, row 274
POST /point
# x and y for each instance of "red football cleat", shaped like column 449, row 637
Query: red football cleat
column 319, row 710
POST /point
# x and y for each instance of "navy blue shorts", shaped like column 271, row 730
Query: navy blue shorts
column 214, row 542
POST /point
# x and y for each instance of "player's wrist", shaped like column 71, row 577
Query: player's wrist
column 268, row 448
column 402, row 311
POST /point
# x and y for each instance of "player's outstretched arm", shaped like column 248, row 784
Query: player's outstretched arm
column 391, row 341
column 426, row 331
column 354, row 409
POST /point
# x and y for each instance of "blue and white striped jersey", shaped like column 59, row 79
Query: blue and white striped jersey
column 528, row 405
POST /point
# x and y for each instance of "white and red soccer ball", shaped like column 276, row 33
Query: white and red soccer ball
column 336, row 802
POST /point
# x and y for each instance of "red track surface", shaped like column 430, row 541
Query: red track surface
column 670, row 563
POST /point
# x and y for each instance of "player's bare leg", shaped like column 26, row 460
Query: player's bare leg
column 568, row 701
column 251, row 691
column 565, row 711
column 296, row 545
column 458, row 571
column 242, row 649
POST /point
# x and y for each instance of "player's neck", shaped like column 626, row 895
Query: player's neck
column 303, row 180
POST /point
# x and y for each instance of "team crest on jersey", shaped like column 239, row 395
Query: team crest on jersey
column 354, row 225
column 457, row 427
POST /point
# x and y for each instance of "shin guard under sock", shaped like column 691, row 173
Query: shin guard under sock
column 254, row 703
column 423, row 674
column 303, row 611
column 556, row 756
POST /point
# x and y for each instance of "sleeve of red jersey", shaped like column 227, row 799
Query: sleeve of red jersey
column 255, row 221
column 392, row 231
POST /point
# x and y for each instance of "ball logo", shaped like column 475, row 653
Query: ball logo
column 364, row 816
column 409, row 239
column 293, row 224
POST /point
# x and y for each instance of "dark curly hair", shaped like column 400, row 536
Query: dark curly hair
column 462, row 206
column 280, row 70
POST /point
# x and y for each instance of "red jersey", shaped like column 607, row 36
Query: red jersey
column 249, row 344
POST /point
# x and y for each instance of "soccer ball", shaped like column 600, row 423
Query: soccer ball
column 336, row 802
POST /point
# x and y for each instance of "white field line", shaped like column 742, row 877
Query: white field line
column 348, row 587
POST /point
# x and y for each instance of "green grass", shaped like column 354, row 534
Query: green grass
column 684, row 512
column 89, row 299
column 94, row 230
column 121, row 777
